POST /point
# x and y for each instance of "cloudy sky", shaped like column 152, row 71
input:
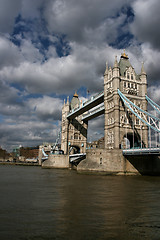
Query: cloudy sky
column 50, row 48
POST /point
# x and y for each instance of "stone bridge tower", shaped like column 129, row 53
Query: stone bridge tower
column 122, row 128
column 74, row 132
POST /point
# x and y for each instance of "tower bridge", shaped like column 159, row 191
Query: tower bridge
column 127, row 128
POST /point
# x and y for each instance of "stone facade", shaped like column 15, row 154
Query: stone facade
column 74, row 132
column 106, row 161
column 121, row 126
column 56, row 161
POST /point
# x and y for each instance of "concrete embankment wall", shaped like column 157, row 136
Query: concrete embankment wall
column 113, row 162
column 56, row 161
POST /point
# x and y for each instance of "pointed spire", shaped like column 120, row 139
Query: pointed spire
column 124, row 55
column 75, row 95
column 68, row 100
column 142, row 69
column 64, row 102
column 115, row 62
column 106, row 71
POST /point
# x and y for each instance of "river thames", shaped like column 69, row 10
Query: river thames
column 44, row 204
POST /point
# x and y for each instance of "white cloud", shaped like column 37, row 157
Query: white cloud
column 88, row 28
column 77, row 19
column 10, row 55
column 84, row 67
column 46, row 107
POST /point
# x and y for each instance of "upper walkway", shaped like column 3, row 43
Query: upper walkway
column 89, row 104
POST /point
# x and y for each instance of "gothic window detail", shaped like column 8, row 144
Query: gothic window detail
column 137, row 121
column 112, row 137
column 76, row 136
column 109, row 138
column 132, row 76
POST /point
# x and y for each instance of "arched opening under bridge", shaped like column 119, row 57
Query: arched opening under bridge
column 131, row 140
column 74, row 149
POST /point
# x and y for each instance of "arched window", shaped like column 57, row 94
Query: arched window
column 132, row 76
column 76, row 136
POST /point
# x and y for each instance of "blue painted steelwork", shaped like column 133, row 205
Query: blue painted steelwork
column 46, row 155
column 153, row 104
column 57, row 140
column 144, row 116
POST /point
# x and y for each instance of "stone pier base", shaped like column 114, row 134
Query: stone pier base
column 108, row 162
column 105, row 161
column 56, row 161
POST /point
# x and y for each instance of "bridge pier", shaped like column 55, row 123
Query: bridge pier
column 112, row 162
column 124, row 104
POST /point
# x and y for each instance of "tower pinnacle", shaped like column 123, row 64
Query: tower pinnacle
column 115, row 62
column 142, row 69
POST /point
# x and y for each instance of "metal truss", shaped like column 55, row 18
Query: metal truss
column 148, row 119
column 153, row 104
column 57, row 140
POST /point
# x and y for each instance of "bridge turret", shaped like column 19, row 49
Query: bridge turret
column 143, row 78
column 120, row 125
column 116, row 79
column 65, row 125
column 74, row 131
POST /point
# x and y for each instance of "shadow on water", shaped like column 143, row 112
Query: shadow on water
column 42, row 204
column 146, row 164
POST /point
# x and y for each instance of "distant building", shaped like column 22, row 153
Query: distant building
column 29, row 152
column 4, row 155
column 96, row 144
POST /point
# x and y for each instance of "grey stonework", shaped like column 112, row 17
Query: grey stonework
column 74, row 132
column 120, row 125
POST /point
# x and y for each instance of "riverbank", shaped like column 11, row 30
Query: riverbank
column 19, row 163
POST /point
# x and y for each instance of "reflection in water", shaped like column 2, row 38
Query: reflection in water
column 61, row 204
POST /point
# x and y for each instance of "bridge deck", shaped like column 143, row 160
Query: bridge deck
column 141, row 151
column 91, row 103
column 95, row 113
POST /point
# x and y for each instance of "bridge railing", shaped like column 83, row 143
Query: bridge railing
column 93, row 98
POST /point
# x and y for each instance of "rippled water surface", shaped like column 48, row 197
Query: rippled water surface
column 42, row 204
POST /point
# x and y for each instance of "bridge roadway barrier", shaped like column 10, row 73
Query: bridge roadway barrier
column 89, row 104
column 141, row 151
